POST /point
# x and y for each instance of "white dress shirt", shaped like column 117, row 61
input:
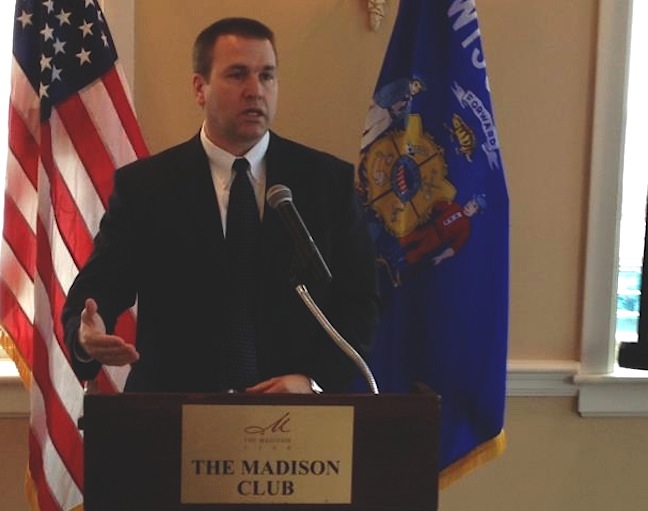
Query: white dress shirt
column 220, row 164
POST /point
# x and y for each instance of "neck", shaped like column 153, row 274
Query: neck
column 233, row 147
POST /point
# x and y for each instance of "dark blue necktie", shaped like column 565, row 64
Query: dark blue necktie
column 243, row 234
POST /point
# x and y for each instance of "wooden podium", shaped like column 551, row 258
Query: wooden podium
column 134, row 449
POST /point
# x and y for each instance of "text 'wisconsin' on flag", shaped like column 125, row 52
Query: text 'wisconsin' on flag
column 432, row 183
column 71, row 124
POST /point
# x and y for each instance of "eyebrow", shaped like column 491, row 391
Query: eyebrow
column 244, row 67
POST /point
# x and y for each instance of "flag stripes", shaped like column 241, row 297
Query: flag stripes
column 52, row 482
column 88, row 145
column 124, row 144
column 68, row 132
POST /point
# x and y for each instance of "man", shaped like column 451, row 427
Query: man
column 166, row 241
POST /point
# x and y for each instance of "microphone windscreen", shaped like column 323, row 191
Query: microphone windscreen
column 278, row 194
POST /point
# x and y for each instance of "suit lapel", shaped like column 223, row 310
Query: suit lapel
column 277, row 245
column 198, row 198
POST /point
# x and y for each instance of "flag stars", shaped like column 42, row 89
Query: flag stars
column 47, row 32
column 86, row 28
column 25, row 19
column 83, row 56
column 45, row 62
column 56, row 74
column 59, row 46
column 69, row 44
column 42, row 90
column 64, row 17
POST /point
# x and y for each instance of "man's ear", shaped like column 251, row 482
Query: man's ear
column 198, row 84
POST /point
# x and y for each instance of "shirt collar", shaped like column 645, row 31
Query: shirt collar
column 221, row 159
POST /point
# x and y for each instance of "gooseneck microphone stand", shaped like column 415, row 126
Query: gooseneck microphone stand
column 340, row 342
column 309, row 265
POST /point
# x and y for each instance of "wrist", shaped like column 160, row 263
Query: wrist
column 79, row 353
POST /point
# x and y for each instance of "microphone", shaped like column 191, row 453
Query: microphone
column 309, row 259
column 279, row 198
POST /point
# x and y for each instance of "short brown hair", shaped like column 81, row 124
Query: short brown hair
column 244, row 27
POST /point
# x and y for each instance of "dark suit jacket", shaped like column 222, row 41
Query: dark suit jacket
column 161, row 242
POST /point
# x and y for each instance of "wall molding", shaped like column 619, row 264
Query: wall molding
column 623, row 393
column 14, row 399
column 541, row 378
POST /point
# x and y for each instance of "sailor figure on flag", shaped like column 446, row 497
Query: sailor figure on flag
column 390, row 107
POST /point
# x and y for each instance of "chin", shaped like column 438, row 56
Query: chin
column 252, row 135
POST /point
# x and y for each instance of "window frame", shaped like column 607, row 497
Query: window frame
column 604, row 389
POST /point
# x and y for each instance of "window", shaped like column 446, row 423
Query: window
column 634, row 189
column 604, row 388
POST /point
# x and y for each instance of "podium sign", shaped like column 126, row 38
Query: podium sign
column 229, row 452
column 237, row 454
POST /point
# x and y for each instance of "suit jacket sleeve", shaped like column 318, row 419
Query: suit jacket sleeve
column 107, row 277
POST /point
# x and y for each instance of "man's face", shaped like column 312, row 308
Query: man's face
column 240, row 95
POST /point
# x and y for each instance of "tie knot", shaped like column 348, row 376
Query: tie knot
column 240, row 164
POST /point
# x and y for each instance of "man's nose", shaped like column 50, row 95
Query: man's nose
column 254, row 86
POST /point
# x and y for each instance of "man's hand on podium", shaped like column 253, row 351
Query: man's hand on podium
column 287, row 384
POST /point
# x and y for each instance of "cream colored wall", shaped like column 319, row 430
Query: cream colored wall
column 540, row 56
column 328, row 63
column 541, row 62
column 558, row 461
column 13, row 460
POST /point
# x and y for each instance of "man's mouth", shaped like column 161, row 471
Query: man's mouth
column 254, row 112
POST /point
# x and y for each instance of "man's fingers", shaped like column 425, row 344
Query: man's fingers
column 90, row 306
column 119, row 359
column 106, row 349
column 114, row 353
column 289, row 383
column 110, row 350
column 89, row 311
column 264, row 386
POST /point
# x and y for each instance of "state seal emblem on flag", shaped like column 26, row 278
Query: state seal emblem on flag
column 405, row 174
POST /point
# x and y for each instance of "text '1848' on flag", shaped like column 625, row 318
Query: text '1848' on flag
column 432, row 183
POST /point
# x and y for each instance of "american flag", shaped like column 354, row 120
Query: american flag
column 71, row 124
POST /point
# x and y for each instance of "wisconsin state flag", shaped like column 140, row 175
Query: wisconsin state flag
column 432, row 183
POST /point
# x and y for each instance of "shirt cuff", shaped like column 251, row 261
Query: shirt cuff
column 80, row 354
column 315, row 387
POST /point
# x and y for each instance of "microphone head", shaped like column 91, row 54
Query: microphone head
column 277, row 195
